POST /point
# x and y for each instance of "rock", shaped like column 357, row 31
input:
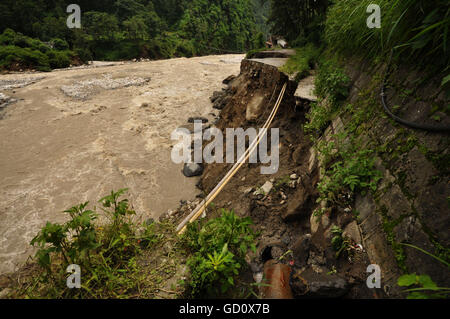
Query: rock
column 293, row 177
column 221, row 102
column 267, row 187
column 192, row 169
column 216, row 95
column 5, row 292
column 300, row 250
column 325, row 220
column 286, row 239
column 264, row 190
column 318, row 285
column 314, row 221
column 248, row 190
column 229, row 79
column 144, row 105
column 296, row 205
column 352, row 231
column 197, row 119
column 258, row 277
column 344, row 219
column 254, row 108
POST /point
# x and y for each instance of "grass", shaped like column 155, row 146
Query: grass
column 302, row 62
column 417, row 29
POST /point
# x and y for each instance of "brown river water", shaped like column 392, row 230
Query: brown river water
column 75, row 134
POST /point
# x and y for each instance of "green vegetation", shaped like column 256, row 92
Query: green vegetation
column 302, row 62
column 422, row 286
column 126, row 29
column 19, row 51
column 332, row 87
column 107, row 254
column 119, row 258
column 417, row 29
column 300, row 21
column 347, row 169
column 338, row 242
column 218, row 253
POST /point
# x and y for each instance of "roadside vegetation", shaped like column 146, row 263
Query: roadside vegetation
column 120, row 258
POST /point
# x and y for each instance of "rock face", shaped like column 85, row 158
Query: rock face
column 310, row 284
column 197, row 119
column 254, row 108
column 220, row 99
column 192, row 169
column 296, row 206
column 300, row 250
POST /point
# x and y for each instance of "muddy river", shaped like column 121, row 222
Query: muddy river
column 73, row 135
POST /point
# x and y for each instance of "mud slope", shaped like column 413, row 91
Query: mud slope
column 283, row 215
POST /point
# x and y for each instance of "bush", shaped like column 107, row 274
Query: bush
column 332, row 82
column 302, row 62
column 106, row 254
column 32, row 53
column 59, row 59
column 26, row 57
column 59, row 44
column 219, row 248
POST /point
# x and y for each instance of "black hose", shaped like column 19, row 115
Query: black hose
column 426, row 127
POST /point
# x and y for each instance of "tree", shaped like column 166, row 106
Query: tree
column 100, row 25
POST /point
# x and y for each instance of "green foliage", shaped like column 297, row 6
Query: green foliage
column 348, row 169
column 302, row 62
column 300, row 21
column 418, row 29
column 338, row 241
column 106, row 254
column 31, row 53
column 422, row 286
column 332, row 82
column 219, row 249
column 127, row 29
column 332, row 87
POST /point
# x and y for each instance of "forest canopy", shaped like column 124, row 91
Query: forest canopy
column 126, row 29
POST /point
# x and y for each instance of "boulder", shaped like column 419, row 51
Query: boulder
column 296, row 205
column 309, row 284
column 300, row 250
column 229, row 79
column 352, row 231
column 197, row 119
column 254, row 108
column 192, row 169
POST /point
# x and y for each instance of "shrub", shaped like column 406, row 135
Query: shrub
column 347, row 169
column 106, row 254
column 59, row 44
column 219, row 248
column 59, row 59
column 303, row 61
column 332, row 82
